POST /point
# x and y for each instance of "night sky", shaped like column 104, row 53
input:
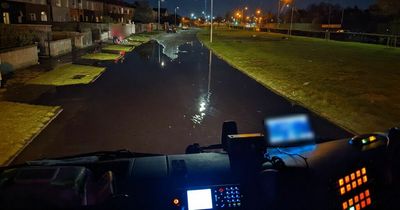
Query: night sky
column 222, row 6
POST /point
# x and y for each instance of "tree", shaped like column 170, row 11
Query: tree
column 390, row 7
column 143, row 12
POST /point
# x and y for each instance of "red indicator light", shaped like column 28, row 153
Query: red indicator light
column 221, row 190
column 353, row 176
column 368, row 201
column 362, row 204
column 356, row 199
column 367, row 193
column 358, row 207
column 361, row 196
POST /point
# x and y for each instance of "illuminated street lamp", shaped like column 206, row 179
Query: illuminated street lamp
column 159, row 14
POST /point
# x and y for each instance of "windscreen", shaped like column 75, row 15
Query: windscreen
column 288, row 130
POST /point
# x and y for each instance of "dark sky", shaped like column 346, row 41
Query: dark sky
column 221, row 6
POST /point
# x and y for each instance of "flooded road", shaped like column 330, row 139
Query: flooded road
column 159, row 100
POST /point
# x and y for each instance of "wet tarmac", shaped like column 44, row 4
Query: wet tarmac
column 151, row 103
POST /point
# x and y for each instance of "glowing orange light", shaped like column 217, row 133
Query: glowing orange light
column 361, row 196
column 365, row 179
column 358, row 207
column 344, row 205
column 341, row 182
column 347, row 179
column 358, row 173
column 353, row 176
column 368, row 201
column 351, row 202
column 176, row 202
column 342, row 190
column 356, row 199
column 364, row 171
column 359, row 182
column 367, row 193
column 348, row 187
column 362, row 204
column 354, row 184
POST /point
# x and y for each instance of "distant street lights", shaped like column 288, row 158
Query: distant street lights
column 175, row 14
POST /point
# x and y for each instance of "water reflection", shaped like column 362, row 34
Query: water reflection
column 170, row 44
column 204, row 100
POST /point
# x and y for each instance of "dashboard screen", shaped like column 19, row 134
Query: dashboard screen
column 288, row 130
column 199, row 199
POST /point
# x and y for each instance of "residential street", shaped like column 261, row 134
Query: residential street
column 159, row 103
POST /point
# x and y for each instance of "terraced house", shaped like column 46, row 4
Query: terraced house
column 40, row 11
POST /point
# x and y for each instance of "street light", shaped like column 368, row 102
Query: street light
column 212, row 15
column 175, row 14
column 159, row 13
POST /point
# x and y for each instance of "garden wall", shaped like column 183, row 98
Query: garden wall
column 20, row 57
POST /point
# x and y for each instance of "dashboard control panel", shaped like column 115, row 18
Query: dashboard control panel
column 227, row 197
column 211, row 197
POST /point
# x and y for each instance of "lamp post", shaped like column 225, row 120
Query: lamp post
column 175, row 14
column 159, row 14
column 212, row 17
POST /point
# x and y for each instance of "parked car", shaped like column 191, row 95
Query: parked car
column 185, row 27
column 171, row 29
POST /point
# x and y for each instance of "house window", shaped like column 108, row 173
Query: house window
column 58, row 3
column 6, row 18
column 43, row 16
column 32, row 16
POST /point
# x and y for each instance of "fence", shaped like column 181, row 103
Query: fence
column 380, row 39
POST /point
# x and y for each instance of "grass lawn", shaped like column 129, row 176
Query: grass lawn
column 117, row 47
column 143, row 37
column 69, row 74
column 19, row 123
column 101, row 56
column 353, row 84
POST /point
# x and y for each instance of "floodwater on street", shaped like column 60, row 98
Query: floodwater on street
column 160, row 99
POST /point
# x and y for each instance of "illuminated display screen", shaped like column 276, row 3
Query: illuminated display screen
column 199, row 199
column 288, row 130
column 354, row 191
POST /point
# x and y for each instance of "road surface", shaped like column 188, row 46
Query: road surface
column 159, row 100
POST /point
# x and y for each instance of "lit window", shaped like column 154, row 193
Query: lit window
column 6, row 18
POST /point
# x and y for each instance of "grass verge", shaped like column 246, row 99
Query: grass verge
column 101, row 56
column 69, row 74
column 19, row 124
column 117, row 47
column 352, row 84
